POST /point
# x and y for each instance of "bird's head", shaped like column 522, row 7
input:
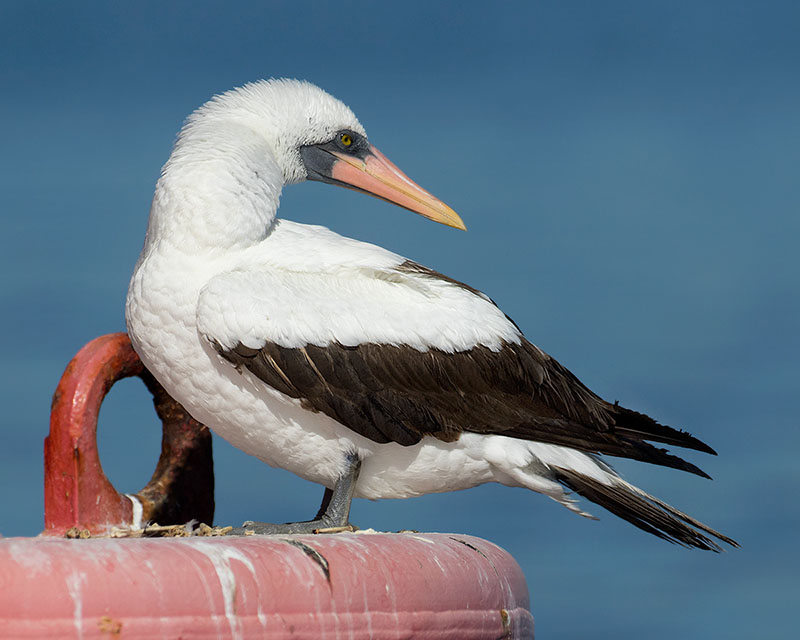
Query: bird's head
column 314, row 136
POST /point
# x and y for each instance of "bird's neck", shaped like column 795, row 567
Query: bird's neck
column 220, row 189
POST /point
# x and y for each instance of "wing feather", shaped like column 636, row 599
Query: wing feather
column 389, row 391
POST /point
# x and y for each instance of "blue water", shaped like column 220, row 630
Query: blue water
column 629, row 176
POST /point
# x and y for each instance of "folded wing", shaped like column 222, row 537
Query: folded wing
column 403, row 353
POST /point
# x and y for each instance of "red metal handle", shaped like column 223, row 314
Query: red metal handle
column 77, row 492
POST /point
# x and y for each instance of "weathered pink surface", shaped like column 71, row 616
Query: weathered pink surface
column 326, row 586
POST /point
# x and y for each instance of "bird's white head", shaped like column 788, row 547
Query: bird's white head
column 236, row 152
column 287, row 114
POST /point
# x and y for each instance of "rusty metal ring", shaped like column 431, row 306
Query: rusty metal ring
column 77, row 492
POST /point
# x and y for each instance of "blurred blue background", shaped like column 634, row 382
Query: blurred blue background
column 628, row 172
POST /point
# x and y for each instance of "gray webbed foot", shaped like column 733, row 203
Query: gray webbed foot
column 333, row 514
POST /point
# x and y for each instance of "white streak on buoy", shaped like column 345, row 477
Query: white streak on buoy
column 75, row 582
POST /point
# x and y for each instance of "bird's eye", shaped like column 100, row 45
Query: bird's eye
column 346, row 139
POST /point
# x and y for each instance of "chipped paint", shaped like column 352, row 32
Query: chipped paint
column 473, row 547
column 312, row 553
column 505, row 619
column 108, row 625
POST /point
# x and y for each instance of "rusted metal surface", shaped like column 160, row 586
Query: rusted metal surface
column 77, row 492
column 182, row 486
column 352, row 585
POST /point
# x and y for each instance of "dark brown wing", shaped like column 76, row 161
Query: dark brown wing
column 398, row 394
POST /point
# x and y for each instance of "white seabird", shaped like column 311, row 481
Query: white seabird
column 343, row 362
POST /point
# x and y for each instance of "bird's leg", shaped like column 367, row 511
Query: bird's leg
column 333, row 513
column 326, row 500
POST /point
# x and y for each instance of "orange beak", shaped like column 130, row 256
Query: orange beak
column 378, row 176
column 373, row 173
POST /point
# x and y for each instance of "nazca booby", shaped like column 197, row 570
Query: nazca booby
column 348, row 364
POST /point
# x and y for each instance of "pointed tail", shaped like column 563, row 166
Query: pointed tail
column 643, row 510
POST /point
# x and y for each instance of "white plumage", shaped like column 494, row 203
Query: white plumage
column 308, row 285
column 218, row 270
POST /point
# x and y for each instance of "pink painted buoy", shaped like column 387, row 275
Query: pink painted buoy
column 359, row 586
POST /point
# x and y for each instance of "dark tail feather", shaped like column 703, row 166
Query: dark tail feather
column 644, row 511
column 642, row 427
